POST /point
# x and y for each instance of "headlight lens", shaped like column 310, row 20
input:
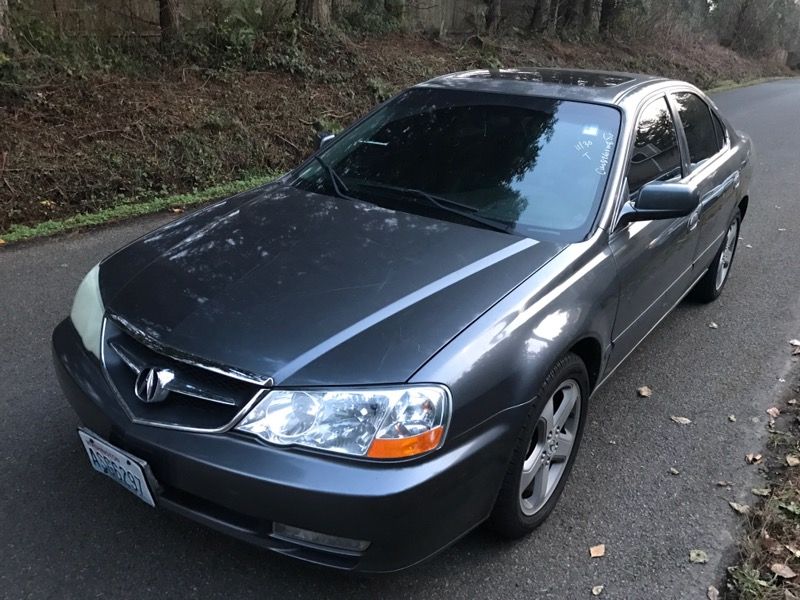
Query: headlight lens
column 375, row 422
column 87, row 311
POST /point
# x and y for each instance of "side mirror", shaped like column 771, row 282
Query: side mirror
column 658, row 200
column 323, row 138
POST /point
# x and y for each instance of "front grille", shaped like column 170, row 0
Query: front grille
column 195, row 398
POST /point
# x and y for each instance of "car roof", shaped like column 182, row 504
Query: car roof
column 607, row 87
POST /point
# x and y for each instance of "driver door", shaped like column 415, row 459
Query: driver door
column 654, row 258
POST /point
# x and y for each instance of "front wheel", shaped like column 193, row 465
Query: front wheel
column 710, row 285
column 545, row 451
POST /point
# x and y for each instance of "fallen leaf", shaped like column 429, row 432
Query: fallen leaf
column 713, row 325
column 773, row 547
column 773, row 411
column 792, row 460
column 782, row 570
column 644, row 392
column 732, row 418
column 742, row 509
column 795, row 350
column 176, row 210
column 792, row 401
column 2, row 242
column 681, row 420
column 791, row 507
column 597, row 590
column 795, row 342
column 724, row 483
column 781, row 228
column 674, row 471
column 753, row 459
column 597, row 551
column 712, row 593
column 763, row 492
column 698, row 556
column 794, row 551
column 781, row 380
column 748, row 245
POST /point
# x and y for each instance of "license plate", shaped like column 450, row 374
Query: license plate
column 126, row 470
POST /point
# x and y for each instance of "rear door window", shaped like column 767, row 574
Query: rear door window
column 698, row 126
column 656, row 155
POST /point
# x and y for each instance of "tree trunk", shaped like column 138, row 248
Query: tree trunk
column 573, row 14
column 6, row 37
column 541, row 15
column 493, row 8
column 587, row 18
column 608, row 12
column 168, row 20
column 315, row 12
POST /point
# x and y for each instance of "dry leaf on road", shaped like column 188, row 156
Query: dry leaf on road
column 732, row 418
column 698, row 556
column 792, row 401
column 644, row 392
column 681, row 420
column 597, row 551
column 782, row 570
column 742, row 509
column 724, row 483
column 713, row 325
column 795, row 342
column 674, row 471
column 774, row 412
column 2, row 241
column 597, row 590
column 794, row 551
column 760, row 491
column 792, row 460
column 753, row 459
column 712, row 593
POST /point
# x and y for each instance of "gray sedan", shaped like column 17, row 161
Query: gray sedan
column 357, row 364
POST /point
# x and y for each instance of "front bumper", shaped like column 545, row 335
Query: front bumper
column 233, row 483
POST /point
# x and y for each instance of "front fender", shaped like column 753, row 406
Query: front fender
column 502, row 359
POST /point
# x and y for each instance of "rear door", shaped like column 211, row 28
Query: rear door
column 709, row 170
column 654, row 258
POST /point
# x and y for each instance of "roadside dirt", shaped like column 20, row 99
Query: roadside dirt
column 79, row 142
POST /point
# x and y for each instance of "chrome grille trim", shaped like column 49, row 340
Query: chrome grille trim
column 146, row 340
column 163, row 424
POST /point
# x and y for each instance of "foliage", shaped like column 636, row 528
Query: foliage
column 133, row 208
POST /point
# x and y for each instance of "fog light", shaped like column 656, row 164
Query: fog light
column 305, row 536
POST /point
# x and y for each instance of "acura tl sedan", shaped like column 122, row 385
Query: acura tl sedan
column 360, row 362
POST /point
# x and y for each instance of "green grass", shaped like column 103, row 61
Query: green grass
column 729, row 84
column 146, row 206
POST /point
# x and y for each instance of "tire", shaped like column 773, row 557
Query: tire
column 713, row 282
column 514, row 515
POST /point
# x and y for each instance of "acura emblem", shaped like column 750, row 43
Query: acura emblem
column 151, row 384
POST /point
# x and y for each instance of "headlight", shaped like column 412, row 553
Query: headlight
column 374, row 422
column 87, row 311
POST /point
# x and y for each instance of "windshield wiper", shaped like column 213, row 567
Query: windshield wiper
column 339, row 186
column 463, row 210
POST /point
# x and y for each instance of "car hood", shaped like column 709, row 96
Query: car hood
column 305, row 289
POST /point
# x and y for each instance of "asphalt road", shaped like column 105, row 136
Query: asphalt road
column 67, row 532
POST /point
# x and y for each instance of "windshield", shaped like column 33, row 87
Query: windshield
column 536, row 166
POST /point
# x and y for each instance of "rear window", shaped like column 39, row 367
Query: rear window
column 538, row 165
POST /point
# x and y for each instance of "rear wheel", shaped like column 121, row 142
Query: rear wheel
column 545, row 451
column 710, row 286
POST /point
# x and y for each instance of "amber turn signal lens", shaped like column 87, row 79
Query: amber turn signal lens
column 405, row 447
